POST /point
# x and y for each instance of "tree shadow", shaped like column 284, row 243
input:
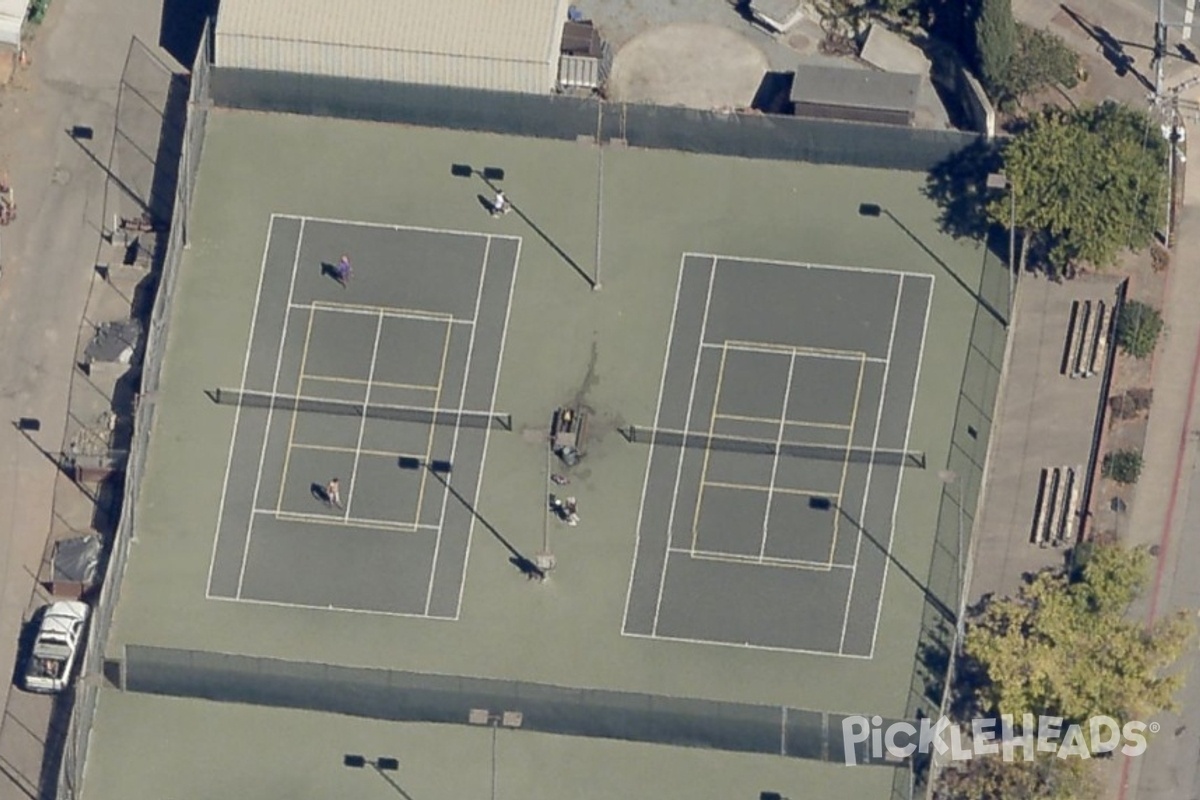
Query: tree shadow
column 958, row 184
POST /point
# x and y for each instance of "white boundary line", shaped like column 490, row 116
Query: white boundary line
column 662, row 384
column 912, row 405
column 237, row 414
column 270, row 411
column 487, row 435
column 871, row 466
column 787, row 396
column 462, row 399
column 807, row 265
column 374, row 311
column 342, row 609
column 767, row 561
column 362, row 423
column 357, row 223
column 687, row 424
column 767, row 348
column 339, row 521
column 743, row 646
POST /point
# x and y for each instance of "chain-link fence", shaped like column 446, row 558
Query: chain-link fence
column 733, row 133
column 80, row 724
column 962, row 478
column 424, row 697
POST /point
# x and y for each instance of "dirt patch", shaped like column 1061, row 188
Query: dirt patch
column 697, row 65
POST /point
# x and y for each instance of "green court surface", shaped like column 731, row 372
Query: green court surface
column 428, row 572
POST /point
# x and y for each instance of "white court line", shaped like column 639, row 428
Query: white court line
column 237, row 413
column 337, row 521
column 837, row 518
column 743, row 646
column 777, row 421
column 340, row 609
column 755, row 561
column 388, row 311
column 1189, row 12
column 354, row 223
column 462, row 399
column 437, row 403
column 487, row 434
column 712, row 426
column 287, row 453
column 808, row 265
column 787, row 394
column 362, row 423
column 416, row 387
column 912, row 405
column 776, row 349
column 860, row 523
column 362, row 450
column 662, row 383
column 687, row 424
column 750, row 487
column 271, row 410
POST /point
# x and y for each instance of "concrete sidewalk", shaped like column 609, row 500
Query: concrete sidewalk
column 1168, row 771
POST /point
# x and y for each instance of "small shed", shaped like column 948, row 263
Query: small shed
column 508, row 45
column 12, row 19
column 858, row 95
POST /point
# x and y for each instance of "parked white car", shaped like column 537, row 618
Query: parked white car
column 57, row 646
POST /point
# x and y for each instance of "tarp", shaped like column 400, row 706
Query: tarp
column 12, row 17
column 75, row 560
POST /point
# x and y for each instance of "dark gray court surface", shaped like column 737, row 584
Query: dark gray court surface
column 768, row 550
column 422, row 325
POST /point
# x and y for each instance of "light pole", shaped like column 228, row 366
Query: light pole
column 998, row 180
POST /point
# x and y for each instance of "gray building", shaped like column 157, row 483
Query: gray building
column 855, row 94
column 512, row 45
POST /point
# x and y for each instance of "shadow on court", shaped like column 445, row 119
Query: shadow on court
column 487, row 176
column 318, row 492
column 438, row 469
column 825, row 504
column 875, row 210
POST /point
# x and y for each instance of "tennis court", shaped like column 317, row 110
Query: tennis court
column 387, row 384
column 780, row 440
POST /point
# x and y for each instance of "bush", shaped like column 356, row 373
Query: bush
column 1138, row 329
column 1123, row 466
column 37, row 10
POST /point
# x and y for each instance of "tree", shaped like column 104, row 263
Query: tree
column 1042, row 59
column 1045, row 778
column 1062, row 646
column 1089, row 182
column 1138, row 329
column 995, row 43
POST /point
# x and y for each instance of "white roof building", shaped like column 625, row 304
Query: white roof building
column 12, row 18
column 503, row 45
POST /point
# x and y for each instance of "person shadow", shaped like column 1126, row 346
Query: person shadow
column 318, row 491
column 487, row 204
column 329, row 271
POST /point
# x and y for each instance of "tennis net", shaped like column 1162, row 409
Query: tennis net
column 770, row 447
column 346, row 408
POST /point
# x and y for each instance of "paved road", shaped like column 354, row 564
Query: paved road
column 1166, row 513
column 48, row 255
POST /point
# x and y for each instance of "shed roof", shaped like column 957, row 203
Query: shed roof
column 512, row 30
column 856, row 88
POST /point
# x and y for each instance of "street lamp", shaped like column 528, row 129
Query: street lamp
column 998, row 180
